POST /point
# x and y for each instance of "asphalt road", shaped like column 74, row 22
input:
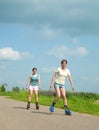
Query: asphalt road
column 15, row 116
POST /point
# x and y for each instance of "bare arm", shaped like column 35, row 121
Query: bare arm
column 53, row 79
column 28, row 82
column 71, row 82
column 39, row 82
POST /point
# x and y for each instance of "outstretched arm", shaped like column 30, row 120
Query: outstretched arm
column 39, row 82
column 71, row 82
column 28, row 82
column 53, row 79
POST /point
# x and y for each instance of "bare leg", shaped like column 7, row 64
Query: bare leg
column 36, row 98
column 57, row 90
column 29, row 99
column 63, row 93
column 36, row 95
column 30, row 95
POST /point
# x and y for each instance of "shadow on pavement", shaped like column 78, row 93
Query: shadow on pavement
column 19, row 107
column 39, row 112
column 46, row 113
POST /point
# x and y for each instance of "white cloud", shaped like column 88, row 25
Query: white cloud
column 48, row 70
column 11, row 54
column 82, row 51
column 46, row 32
column 64, row 51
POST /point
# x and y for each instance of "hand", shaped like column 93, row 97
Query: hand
column 51, row 85
column 27, row 88
column 73, row 88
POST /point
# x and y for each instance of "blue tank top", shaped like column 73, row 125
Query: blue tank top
column 34, row 80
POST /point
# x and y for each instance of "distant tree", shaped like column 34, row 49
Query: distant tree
column 23, row 89
column 2, row 88
column 15, row 89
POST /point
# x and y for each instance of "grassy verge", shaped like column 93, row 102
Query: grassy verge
column 78, row 102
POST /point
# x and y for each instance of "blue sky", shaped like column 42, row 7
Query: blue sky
column 40, row 33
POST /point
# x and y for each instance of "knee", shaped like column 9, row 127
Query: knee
column 30, row 95
column 58, row 96
column 36, row 95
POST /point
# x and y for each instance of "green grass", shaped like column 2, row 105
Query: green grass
column 78, row 102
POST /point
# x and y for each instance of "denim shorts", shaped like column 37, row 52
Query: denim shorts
column 56, row 85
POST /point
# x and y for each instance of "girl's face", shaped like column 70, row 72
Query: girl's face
column 64, row 65
column 34, row 71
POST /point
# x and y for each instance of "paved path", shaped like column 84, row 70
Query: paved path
column 15, row 116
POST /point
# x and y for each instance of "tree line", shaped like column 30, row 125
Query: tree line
column 3, row 88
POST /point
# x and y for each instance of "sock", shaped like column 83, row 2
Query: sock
column 28, row 105
column 53, row 104
column 37, row 104
column 65, row 106
column 28, row 102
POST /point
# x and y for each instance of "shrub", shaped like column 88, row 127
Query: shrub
column 2, row 88
column 16, row 89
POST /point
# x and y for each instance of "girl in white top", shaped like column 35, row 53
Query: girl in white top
column 58, row 81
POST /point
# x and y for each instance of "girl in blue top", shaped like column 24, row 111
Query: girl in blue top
column 33, row 84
